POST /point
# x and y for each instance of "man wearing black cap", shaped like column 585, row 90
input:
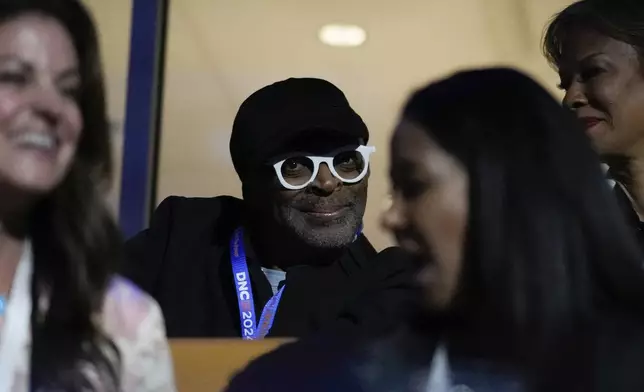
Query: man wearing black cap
column 290, row 257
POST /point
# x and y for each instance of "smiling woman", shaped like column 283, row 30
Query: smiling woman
column 37, row 68
column 62, row 328
column 598, row 48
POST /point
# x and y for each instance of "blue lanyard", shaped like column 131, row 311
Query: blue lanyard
column 250, row 329
column 241, row 277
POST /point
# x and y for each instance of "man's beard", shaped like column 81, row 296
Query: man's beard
column 329, row 235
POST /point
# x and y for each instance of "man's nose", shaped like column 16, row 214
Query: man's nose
column 325, row 182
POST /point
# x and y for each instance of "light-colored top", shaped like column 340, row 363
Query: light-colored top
column 130, row 318
column 464, row 375
column 275, row 277
column 612, row 183
column 439, row 374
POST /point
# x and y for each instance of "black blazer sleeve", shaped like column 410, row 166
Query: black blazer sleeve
column 145, row 252
column 390, row 295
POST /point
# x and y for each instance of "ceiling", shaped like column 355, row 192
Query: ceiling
column 220, row 51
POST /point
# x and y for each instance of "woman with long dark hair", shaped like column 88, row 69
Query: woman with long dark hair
column 597, row 46
column 66, row 321
column 526, row 258
column 530, row 254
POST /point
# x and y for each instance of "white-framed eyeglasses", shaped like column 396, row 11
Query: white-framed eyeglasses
column 348, row 165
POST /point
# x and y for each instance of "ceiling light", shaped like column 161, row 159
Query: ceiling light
column 342, row 35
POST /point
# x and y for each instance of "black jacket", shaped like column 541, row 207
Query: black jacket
column 183, row 261
column 608, row 361
column 632, row 219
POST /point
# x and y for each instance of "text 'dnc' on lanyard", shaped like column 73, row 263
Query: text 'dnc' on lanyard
column 250, row 330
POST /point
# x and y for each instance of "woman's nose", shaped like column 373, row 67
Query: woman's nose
column 48, row 103
column 575, row 96
column 391, row 218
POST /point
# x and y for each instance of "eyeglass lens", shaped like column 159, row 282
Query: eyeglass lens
column 299, row 170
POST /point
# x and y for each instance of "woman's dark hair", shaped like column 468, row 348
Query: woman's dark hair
column 546, row 243
column 622, row 20
column 75, row 241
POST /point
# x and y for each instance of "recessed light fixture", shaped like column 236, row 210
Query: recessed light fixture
column 342, row 35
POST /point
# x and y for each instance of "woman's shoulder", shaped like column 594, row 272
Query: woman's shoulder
column 321, row 362
column 126, row 305
column 133, row 321
column 127, row 309
column 341, row 359
column 620, row 347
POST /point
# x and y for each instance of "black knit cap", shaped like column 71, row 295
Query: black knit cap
column 287, row 110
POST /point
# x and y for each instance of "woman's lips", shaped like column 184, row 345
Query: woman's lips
column 591, row 125
column 590, row 122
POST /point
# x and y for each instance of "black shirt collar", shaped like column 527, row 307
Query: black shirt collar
column 626, row 206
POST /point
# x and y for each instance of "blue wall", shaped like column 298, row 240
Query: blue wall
column 142, row 113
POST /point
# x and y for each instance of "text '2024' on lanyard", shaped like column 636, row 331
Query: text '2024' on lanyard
column 250, row 329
